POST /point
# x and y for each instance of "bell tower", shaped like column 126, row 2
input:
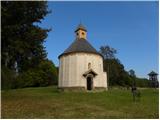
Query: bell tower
column 81, row 32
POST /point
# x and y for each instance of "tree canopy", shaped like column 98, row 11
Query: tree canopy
column 116, row 73
column 108, row 52
column 22, row 39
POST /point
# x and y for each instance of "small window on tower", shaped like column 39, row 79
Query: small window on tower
column 77, row 34
column 82, row 33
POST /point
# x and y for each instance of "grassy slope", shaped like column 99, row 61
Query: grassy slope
column 47, row 102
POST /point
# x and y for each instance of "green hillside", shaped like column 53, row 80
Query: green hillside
column 48, row 102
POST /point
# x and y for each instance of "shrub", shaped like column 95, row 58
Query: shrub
column 44, row 75
column 7, row 78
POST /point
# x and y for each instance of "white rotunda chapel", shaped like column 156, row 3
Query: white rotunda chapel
column 81, row 66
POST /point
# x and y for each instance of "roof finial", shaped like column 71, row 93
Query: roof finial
column 80, row 26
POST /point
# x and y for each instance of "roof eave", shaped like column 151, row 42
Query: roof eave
column 79, row 52
column 80, row 29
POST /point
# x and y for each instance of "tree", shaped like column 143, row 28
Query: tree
column 133, row 76
column 116, row 73
column 108, row 52
column 132, row 73
column 115, row 70
column 24, row 58
column 22, row 39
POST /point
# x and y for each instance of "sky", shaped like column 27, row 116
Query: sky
column 129, row 27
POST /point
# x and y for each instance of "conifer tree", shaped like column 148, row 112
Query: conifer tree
column 22, row 39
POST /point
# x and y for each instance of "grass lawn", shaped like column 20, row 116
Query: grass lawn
column 47, row 102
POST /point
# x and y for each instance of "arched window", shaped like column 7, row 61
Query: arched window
column 89, row 65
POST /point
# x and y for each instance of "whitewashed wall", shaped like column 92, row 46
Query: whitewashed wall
column 73, row 66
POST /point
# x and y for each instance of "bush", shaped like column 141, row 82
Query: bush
column 44, row 75
column 7, row 78
column 30, row 78
column 140, row 82
column 49, row 72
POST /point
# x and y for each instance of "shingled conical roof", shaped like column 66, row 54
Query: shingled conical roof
column 80, row 45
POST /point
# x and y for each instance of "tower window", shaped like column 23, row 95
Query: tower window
column 82, row 33
column 89, row 65
column 77, row 34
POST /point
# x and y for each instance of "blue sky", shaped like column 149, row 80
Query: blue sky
column 129, row 27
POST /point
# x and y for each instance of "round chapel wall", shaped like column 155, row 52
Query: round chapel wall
column 73, row 66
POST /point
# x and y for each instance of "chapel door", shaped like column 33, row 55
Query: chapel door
column 89, row 83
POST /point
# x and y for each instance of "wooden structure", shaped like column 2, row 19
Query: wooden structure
column 154, row 80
